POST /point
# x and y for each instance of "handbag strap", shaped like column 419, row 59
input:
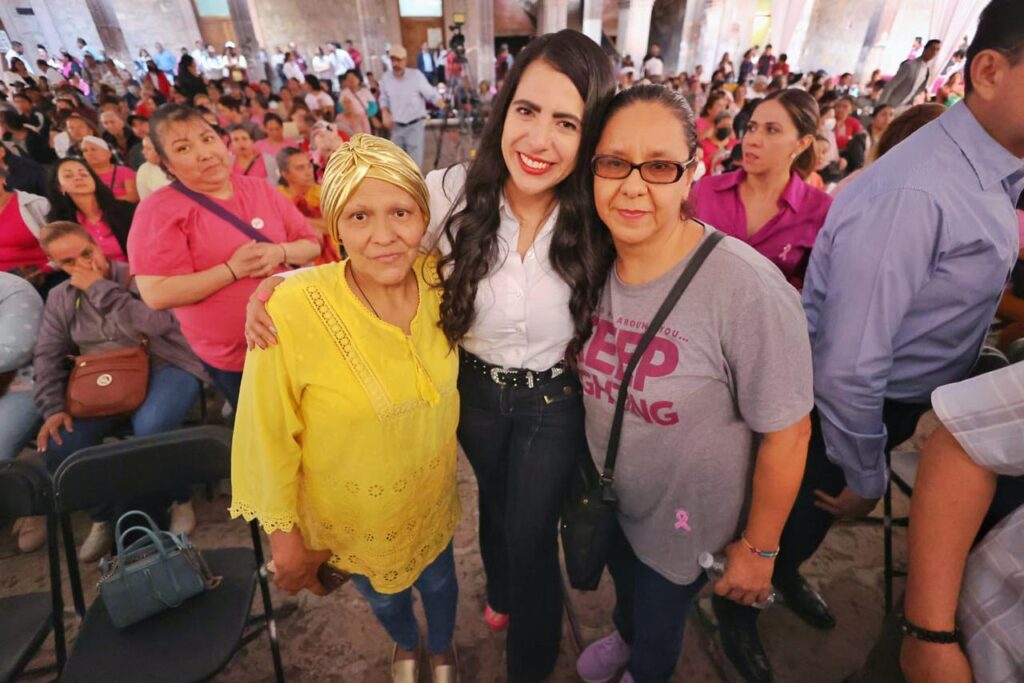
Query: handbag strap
column 699, row 256
column 128, row 515
column 218, row 210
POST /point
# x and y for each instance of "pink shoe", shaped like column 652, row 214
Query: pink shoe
column 495, row 620
column 602, row 660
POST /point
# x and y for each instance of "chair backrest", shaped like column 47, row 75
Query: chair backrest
column 128, row 469
column 25, row 489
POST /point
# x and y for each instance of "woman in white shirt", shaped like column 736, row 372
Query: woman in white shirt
column 291, row 69
column 521, row 275
column 316, row 99
column 323, row 67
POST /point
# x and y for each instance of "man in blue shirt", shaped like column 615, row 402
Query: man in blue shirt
column 165, row 61
column 902, row 284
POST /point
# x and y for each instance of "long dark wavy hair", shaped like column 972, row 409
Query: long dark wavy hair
column 117, row 214
column 580, row 260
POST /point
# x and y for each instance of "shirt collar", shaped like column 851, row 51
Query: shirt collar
column 793, row 194
column 509, row 218
column 992, row 163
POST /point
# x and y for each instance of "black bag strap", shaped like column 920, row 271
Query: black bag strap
column 218, row 210
column 696, row 261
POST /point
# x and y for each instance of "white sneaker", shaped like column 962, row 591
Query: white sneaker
column 98, row 543
column 183, row 518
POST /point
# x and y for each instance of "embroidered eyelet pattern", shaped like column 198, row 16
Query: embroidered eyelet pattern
column 352, row 487
column 375, row 491
column 269, row 524
column 382, row 404
column 399, row 486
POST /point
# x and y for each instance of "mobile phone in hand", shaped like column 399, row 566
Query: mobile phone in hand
column 330, row 577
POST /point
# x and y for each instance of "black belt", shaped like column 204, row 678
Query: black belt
column 409, row 123
column 511, row 377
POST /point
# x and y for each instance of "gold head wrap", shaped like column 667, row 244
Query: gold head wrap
column 368, row 156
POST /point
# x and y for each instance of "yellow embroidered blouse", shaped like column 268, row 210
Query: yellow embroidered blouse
column 347, row 428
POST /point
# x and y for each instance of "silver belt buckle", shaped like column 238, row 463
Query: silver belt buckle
column 556, row 371
column 496, row 376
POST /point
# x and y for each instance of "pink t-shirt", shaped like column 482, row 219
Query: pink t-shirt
column 104, row 237
column 257, row 168
column 786, row 240
column 115, row 179
column 265, row 146
column 19, row 248
column 172, row 235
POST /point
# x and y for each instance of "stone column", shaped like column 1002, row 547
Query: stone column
column 690, row 40
column 479, row 32
column 553, row 17
column 52, row 40
column 634, row 29
column 593, row 19
column 245, row 36
column 380, row 25
column 667, row 21
column 877, row 38
column 108, row 28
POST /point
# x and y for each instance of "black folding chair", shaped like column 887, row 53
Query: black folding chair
column 904, row 473
column 26, row 619
column 192, row 642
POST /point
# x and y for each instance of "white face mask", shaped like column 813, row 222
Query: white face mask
column 830, row 124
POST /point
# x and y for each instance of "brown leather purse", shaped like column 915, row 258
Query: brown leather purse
column 109, row 383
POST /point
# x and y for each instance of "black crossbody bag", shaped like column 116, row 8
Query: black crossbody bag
column 588, row 513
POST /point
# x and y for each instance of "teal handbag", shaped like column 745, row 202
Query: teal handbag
column 159, row 571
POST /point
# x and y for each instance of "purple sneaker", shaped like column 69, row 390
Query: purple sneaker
column 602, row 660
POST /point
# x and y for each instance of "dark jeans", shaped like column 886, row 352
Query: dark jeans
column 523, row 444
column 229, row 382
column 170, row 396
column 650, row 612
column 438, row 586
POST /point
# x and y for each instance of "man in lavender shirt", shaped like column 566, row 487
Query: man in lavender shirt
column 903, row 282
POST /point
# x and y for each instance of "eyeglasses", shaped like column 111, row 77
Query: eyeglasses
column 656, row 172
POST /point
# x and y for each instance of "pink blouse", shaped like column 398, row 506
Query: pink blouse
column 104, row 237
column 115, row 180
column 786, row 240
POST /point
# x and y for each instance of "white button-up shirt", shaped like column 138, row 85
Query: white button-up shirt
column 522, row 307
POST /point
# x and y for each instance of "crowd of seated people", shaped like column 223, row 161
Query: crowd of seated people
column 158, row 209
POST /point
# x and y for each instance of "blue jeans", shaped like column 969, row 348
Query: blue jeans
column 411, row 139
column 229, row 382
column 439, row 590
column 650, row 612
column 523, row 444
column 19, row 422
column 172, row 391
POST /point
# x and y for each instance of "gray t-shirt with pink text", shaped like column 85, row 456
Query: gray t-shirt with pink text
column 732, row 360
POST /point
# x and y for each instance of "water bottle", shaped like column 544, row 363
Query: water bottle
column 714, row 567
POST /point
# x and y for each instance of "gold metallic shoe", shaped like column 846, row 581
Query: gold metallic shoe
column 447, row 673
column 405, row 670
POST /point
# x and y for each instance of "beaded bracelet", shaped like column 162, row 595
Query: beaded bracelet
column 937, row 637
column 767, row 554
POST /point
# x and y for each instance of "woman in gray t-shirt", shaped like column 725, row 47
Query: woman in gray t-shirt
column 716, row 426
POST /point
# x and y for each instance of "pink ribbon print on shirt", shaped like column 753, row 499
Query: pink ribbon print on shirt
column 683, row 520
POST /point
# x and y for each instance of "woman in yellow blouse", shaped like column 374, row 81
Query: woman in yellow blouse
column 344, row 443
